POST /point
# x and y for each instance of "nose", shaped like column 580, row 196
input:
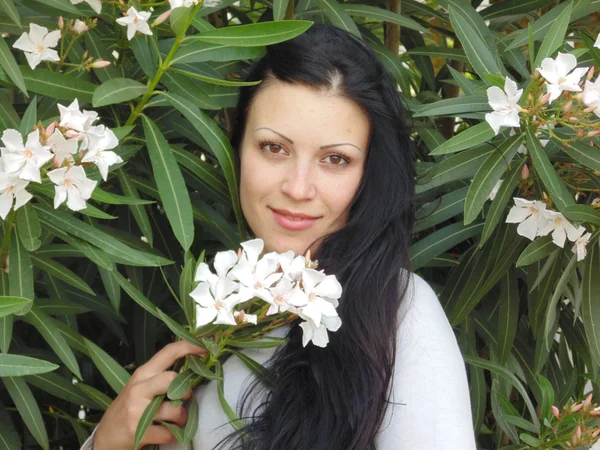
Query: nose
column 299, row 181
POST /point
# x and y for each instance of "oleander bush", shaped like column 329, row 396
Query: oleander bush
column 117, row 178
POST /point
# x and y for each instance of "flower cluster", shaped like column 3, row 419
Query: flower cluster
column 577, row 422
column 61, row 145
column 535, row 220
column 247, row 288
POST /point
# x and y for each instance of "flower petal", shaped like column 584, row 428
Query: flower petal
column 204, row 316
column 202, row 295
column 224, row 261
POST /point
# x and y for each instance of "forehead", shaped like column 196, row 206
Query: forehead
column 305, row 111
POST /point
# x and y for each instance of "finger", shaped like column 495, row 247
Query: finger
column 187, row 395
column 156, row 385
column 157, row 434
column 167, row 356
column 168, row 412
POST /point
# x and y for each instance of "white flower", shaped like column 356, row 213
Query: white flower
column 580, row 248
column 12, row 189
column 597, row 43
column 560, row 227
column 71, row 117
column 99, row 140
column 560, row 74
column 135, row 21
column 255, row 281
column 24, row 160
column 79, row 27
column 216, row 299
column 242, row 317
column 211, row 3
column 62, row 148
column 186, row 3
column 95, row 4
column 223, row 263
column 591, row 94
column 292, row 265
column 495, row 189
column 37, row 45
column 505, row 105
column 73, row 186
column 318, row 334
column 279, row 296
column 320, row 296
column 529, row 215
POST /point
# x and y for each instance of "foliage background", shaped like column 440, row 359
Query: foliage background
column 98, row 290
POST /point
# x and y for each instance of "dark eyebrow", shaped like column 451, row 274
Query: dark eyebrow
column 323, row 147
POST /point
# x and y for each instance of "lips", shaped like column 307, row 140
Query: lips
column 293, row 221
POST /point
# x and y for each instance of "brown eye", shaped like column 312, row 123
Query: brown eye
column 271, row 148
column 336, row 160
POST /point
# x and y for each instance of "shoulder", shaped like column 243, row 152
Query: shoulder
column 430, row 394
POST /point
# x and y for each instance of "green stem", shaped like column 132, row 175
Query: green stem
column 151, row 86
column 8, row 226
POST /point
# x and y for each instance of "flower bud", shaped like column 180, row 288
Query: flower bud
column 590, row 73
column 544, row 99
column 524, row 176
column 591, row 108
column 61, row 22
column 100, row 64
column 80, row 27
column 72, row 134
column 555, row 410
column 160, row 19
column 573, row 119
column 576, row 407
column 593, row 133
column 85, row 55
column 596, row 433
column 587, row 402
column 577, row 433
column 568, row 106
column 50, row 129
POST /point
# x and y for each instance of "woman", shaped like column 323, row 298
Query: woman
column 326, row 164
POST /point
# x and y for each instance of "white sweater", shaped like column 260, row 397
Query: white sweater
column 431, row 409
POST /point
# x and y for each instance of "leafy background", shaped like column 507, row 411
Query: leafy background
column 85, row 297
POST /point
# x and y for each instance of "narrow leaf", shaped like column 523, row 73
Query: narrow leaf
column 29, row 227
column 556, row 35
column 115, row 375
column 469, row 138
column 256, row 34
column 180, row 385
column 14, row 305
column 117, row 90
column 19, row 365
column 8, row 62
column 146, row 419
column 590, row 307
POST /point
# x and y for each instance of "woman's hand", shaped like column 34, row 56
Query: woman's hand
column 116, row 430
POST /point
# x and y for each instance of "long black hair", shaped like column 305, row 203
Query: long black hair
column 336, row 397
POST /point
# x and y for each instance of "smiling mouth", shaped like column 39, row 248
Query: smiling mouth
column 299, row 217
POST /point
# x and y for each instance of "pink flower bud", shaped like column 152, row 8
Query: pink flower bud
column 573, row 119
column 72, row 134
column 524, row 176
column 79, row 27
column 577, row 433
column 591, row 108
column 596, row 433
column 61, row 23
column 56, row 162
column 587, row 402
column 576, row 407
column 590, row 73
column 593, row 133
column 50, row 129
column 100, row 64
column 160, row 19
column 568, row 106
column 555, row 410
column 545, row 98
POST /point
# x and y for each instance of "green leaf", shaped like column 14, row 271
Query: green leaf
column 218, row 142
column 452, row 54
column 114, row 199
column 8, row 116
column 256, row 368
column 504, row 373
column 184, row 86
column 60, row 5
column 96, row 46
column 538, row 249
column 14, row 305
column 558, row 192
column 59, row 271
column 29, row 227
column 452, row 106
column 57, row 85
column 547, row 397
column 11, row 10
column 197, row 51
column 590, row 307
column 582, row 153
column 469, row 138
column 508, row 316
column 199, row 367
column 234, row 420
column 212, row 80
column 135, row 294
column 178, row 329
column 112, row 371
column 440, row 241
column 20, row 273
column 511, row 8
column 582, row 213
column 19, row 365
column 267, row 342
column 145, row 53
column 519, row 422
column 9, row 438
column 191, row 427
column 139, row 212
column 99, row 398
column 186, row 282
column 28, row 409
column 170, row 183
column 530, row 440
column 556, row 35
column 440, row 209
column 8, row 62
column 61, row 388
column 488, row 175
column 279, row 8
column 256, row 34
column 179, row 20
column 59, row 220
column 29, row 118
column 475, row 37
column 338, row 17
column 180, row 385
column 498, row 206
column 117, row 90
column 380, row 14
column 146, row 419
column 54, row 339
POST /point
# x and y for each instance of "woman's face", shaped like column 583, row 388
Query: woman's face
column 302, row 158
